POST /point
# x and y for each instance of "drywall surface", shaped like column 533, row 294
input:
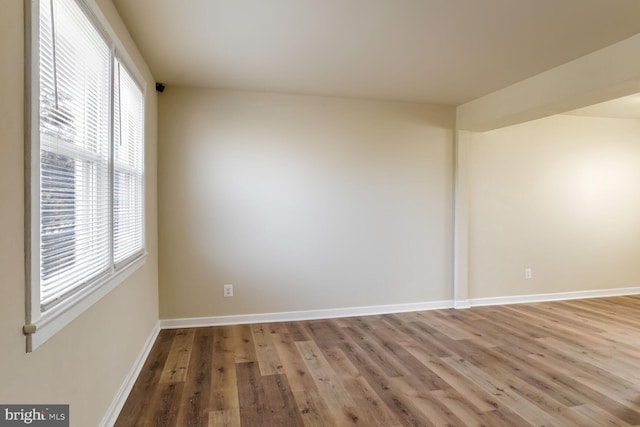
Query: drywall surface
column 558, row 195
column 301, row 202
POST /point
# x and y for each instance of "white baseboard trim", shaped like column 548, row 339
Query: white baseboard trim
column 289, row 316
column 558, row 296
column 116, row 406
column 459, row 304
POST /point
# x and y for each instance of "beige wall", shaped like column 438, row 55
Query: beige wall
column 86, row 363
column 560, row 195
column 301, row 202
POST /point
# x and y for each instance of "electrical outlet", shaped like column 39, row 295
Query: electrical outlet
column 528, row 273
column 228, row 291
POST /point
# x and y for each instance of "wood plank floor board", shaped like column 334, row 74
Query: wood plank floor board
column 567, row 363
column 167, row 403
column 178, row 361
column 223, row 398
column 251, row 395
column 281, row 404
column 268, row 359
column 243, row 347
column 194, row 404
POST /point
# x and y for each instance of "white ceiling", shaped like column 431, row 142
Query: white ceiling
column 438, row 51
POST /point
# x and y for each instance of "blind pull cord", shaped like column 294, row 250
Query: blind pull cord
column 55, row 60
column 120, row 104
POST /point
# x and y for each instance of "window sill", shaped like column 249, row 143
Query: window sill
column 52, row 321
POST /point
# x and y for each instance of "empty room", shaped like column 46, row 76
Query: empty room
column 320, row 213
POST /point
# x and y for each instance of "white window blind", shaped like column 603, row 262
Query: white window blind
column 128, row 165
column 91, row 149
column 74, row 151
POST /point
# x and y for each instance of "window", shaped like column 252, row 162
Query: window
column 86, row 226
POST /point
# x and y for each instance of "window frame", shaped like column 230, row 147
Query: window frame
column 41, row 325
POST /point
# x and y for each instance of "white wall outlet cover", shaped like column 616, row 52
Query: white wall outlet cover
column 228, row 290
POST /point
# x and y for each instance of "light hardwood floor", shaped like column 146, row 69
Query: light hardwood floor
column 573, row 363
